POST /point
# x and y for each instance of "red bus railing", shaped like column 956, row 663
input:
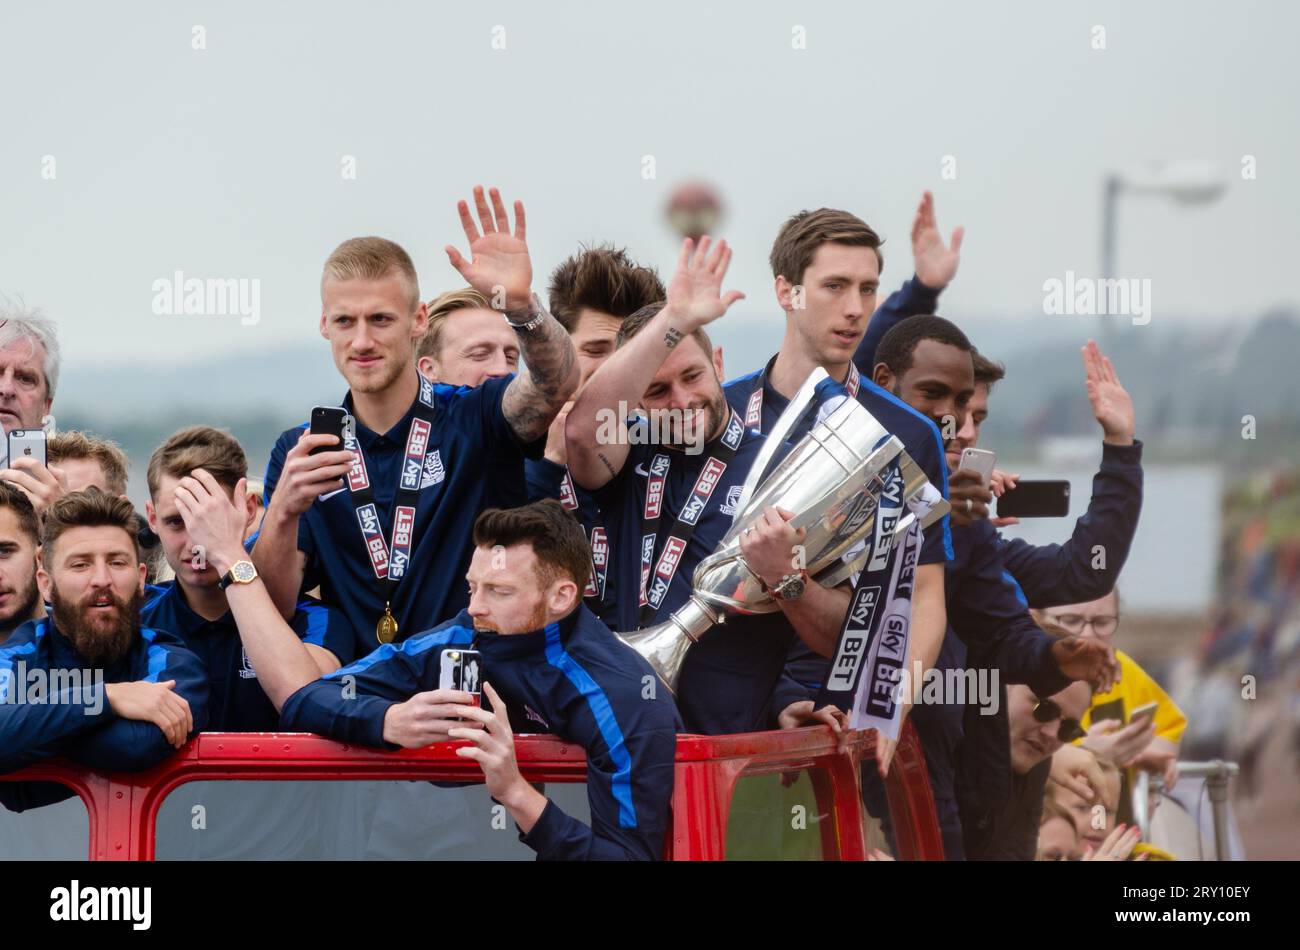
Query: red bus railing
column 123, row 807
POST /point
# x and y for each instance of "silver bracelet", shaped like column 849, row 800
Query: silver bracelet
column 536, row 314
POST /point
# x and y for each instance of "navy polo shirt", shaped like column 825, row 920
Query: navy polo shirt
column 919, row 435
column 728, row 677
column 473, row 461
column 237, row 702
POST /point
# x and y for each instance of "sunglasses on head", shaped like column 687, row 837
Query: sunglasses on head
column 1048, row 711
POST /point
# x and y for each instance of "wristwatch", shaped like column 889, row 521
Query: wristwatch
column 536, row 314
column 241, row 572
column 791, row 587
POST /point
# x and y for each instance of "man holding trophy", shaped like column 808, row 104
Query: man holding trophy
column 667, row 504
column 826, row 267
column 717, row 610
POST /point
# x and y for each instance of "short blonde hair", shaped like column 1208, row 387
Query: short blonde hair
column 371, row 258
column 72, row 444
column 440, row 309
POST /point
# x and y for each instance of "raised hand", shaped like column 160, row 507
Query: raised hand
column 1088, row 660
column 935, row 262
column 695, row 295
column 1111, row 404
column 499, row 262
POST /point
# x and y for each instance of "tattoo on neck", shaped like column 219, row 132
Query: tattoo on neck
column 673, row 337
column 608, row 465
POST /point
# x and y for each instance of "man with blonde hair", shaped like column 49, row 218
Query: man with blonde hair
column 467, row 342
column 421, row 460
column 84, row 460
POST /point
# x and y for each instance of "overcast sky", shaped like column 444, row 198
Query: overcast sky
column 225, row 162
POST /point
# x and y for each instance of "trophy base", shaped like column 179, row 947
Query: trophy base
column 664, row 647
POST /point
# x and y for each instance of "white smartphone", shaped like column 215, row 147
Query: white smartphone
column 1147, row 711
column 26, row 443
column 979, row 460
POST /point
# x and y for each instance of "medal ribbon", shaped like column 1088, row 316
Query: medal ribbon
column 654, row 586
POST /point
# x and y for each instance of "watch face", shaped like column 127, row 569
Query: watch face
column 791, row 588
column 243, row 571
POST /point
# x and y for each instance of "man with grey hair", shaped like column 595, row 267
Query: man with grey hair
column 29, row 373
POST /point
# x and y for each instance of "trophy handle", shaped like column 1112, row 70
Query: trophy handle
column 793, row 413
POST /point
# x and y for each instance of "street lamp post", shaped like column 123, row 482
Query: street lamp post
column 1187, row 183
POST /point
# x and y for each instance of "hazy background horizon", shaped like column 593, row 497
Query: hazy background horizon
column 225, row 162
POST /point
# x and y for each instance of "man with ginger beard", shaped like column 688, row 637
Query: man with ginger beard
column 548, row 665
column 89, row 682
column 667, row 483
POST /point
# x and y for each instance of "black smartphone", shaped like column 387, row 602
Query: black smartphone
column 1045, row 499
column 328, row 420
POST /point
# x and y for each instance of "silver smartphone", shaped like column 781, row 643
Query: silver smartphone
column 979, row 460
column 26, row 443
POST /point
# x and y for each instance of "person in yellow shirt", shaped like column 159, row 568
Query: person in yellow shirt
column 1143, row 744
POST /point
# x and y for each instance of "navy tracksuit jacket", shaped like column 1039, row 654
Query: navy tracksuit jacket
column 1038, row 576
column 574, row 679
column 1046, row 576
column 80, row 724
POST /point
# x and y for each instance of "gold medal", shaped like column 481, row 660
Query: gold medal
column 386, row 628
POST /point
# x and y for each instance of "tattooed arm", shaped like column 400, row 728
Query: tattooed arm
column 501, row 269
column 596, row 453
column 535, row 397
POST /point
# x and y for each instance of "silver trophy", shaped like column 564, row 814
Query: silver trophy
column 832, row 480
